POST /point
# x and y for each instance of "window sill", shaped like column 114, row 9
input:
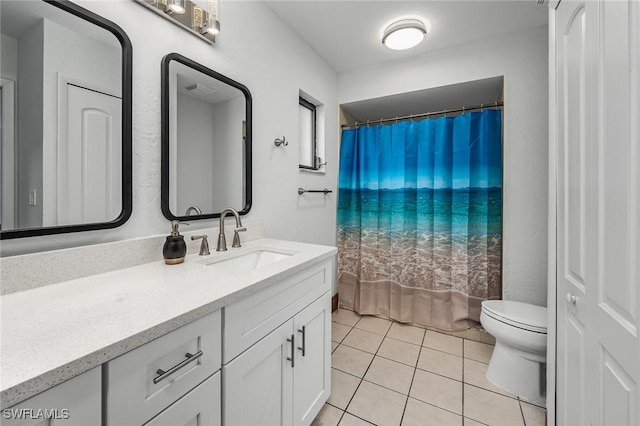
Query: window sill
column 317, row 172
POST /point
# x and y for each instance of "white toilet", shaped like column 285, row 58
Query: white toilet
column 519, row 359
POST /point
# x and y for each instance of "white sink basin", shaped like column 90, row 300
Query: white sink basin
column 247, row 260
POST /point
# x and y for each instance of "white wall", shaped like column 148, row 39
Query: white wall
column 522, row 59
column 8, row 57
column 228, row 151
column 259, row 51
column 194, row 155
column 29, row 148
column 87, row 62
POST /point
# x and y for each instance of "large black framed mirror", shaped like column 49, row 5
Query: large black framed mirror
column 66, row 158
column 206, row 141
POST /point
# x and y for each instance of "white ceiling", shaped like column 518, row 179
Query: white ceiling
column 347, row 33
column 470, row 94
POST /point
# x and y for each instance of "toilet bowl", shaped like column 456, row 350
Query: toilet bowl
column 518, row 363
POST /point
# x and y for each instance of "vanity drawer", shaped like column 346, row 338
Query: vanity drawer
column 250, row 319
column 141, row 383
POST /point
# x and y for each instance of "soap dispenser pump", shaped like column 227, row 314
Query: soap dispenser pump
column 174, row 248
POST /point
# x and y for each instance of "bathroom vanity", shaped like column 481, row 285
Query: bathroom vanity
column 239, row 337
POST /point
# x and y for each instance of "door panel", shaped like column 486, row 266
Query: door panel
column 258, row 383
column 598, row 219
column 312, row 373
column 89, row 158
column 617, row 392
column 575, row 221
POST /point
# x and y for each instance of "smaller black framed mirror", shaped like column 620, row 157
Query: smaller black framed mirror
column 206, row 141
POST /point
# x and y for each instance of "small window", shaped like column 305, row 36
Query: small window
column 308, row 158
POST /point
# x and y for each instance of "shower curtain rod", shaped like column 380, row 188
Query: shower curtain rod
column 423, row 115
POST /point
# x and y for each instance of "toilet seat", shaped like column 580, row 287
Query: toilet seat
column 522, row 315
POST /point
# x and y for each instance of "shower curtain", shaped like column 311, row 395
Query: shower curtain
column 420, row 219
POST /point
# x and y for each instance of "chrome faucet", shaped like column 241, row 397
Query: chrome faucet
column 222, row 241
column 193, row 209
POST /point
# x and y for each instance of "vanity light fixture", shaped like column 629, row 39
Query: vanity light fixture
column 211, row 25
column 175, row 6
column 404, row 34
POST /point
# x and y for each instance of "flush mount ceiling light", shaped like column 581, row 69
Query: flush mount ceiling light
column 404, row 34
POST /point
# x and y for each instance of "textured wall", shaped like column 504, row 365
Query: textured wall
column 522, row 59
column 258, row 50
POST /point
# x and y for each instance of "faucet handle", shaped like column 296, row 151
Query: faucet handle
column 204, row 246
column 236, row 237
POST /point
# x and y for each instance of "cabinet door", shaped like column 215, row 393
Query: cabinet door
column 312, row 372
column 258, row 383
column 200, row 407
column 75, row 402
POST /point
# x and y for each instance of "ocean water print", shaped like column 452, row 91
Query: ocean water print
column 420, row 205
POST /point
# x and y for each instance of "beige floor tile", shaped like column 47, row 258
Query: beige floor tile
column 533, row 415
column 351, row 360
column 443, row 342
column 490, row 408
column 339, row 331
column 343, row 386
column 441, row 363
column 437, row 390
column 471, row 422
column 374, row 324
column 474, row 374
column 363, row 340
column 477, row 351
column 351, row 420
column 345, row 316
column 397, row 350
column 420, row 413
column 377, row 405
column 328, row 416
column 334, row 345
column 406, row 333
column 390, row 374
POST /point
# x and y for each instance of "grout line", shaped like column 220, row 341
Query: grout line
column 415, row 368
column 463, row 381
column 524, row 421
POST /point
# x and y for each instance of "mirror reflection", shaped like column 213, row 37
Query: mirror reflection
column 62, row 119
column 206, row 141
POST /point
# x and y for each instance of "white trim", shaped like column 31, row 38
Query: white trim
column 551, row 276
column 8, row 153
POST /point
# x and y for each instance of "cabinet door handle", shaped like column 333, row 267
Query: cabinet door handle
column 303, row 339
column 164, row 374
column 293, row 350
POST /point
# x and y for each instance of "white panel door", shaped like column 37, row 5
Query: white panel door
column 598, row 220
column 89, row 157
column 312, row 372
column 258, row 383
column 575, row 23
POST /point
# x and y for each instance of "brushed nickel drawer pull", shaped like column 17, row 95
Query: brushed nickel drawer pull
column 164, row 374
column 302, row 348
column 293, row 350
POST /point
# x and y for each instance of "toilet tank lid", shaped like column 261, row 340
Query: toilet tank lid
column 518, row 312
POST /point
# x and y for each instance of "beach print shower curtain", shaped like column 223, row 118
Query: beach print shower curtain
column 420, row 219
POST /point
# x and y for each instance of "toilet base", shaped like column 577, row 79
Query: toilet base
column 520, row 376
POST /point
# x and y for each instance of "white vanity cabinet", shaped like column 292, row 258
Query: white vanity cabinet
column 75, row 402
column 283, row 376
column 173, row 373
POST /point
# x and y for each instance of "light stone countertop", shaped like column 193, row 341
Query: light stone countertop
column 53, row 333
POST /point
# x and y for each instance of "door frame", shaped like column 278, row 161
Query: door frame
column 552, row 284
column 54, row 150
column 9, row 129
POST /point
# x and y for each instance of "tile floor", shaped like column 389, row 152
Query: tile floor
column 386, row 373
